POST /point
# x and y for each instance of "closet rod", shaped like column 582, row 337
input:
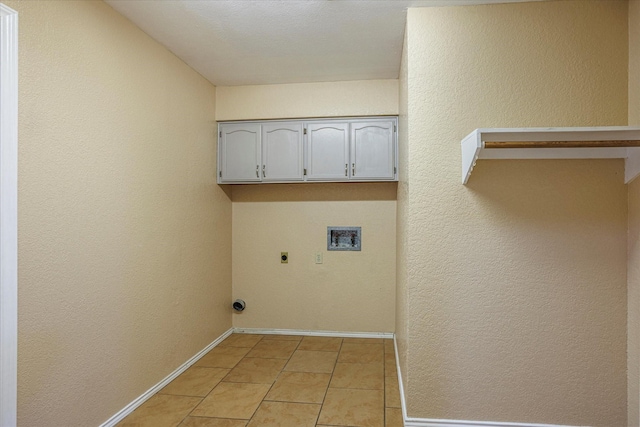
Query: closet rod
column 561, row 144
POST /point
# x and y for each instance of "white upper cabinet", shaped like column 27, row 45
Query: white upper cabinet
column 373, row 150
column 328, row 151
column 282, row 152
column 308, row 150
column 240, row 154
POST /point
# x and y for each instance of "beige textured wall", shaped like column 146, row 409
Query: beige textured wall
column 634, row 62
column 124, row 236
column 633, row 251
column 402, row 247
column 331, row 99
column 349, row 291
column 517, row 282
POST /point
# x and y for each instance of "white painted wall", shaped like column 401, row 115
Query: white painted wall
column 8, row 215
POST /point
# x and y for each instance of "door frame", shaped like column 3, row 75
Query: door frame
column 8, row 215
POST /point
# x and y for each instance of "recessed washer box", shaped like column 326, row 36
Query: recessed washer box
column 344, row 238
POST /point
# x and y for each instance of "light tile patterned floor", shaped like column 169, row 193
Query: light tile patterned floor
column 281, row 380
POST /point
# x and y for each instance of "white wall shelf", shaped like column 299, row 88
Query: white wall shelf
column 614, row 142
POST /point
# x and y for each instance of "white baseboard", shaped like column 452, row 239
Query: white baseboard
column 153, row 390
column 431, row 422
column 387, row 335
column 403, row 403
column 408, row 421
column 111, row 422
column 427, row 422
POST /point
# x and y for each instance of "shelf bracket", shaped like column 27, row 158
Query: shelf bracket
column 471, row 146
column 632, row 164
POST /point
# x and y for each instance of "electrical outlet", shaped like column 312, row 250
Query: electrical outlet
column 284, row 257
column 318, row 257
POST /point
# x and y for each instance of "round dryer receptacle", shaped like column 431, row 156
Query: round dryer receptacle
column 239, row 305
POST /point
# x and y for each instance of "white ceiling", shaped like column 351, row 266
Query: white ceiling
column 248, row 42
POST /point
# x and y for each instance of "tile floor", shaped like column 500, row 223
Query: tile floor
column 281, row 380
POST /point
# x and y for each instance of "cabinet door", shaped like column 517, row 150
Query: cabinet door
column 327, row 151
column 282, row 152
column 372, row 150
column 240, row 152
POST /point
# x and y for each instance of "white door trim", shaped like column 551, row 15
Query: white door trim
column 8, row 215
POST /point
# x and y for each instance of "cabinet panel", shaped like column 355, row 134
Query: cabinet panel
column 328, row 151
column 282, row 158
column 331, row 150
column 372, row 150
column 240, row 152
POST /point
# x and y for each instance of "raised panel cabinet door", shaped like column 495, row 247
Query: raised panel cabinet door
column 328, row 151
column 240, row 153
column 372, row 150
column 282, row 158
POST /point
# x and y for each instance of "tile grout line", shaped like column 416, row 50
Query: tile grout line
column 321, row 404
column 287, row 360
column 330, row 379
column 230, row 369
column 274, row 381
column 262, row 400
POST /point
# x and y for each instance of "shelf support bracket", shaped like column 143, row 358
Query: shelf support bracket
column 471, row 146
column 632, row 164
